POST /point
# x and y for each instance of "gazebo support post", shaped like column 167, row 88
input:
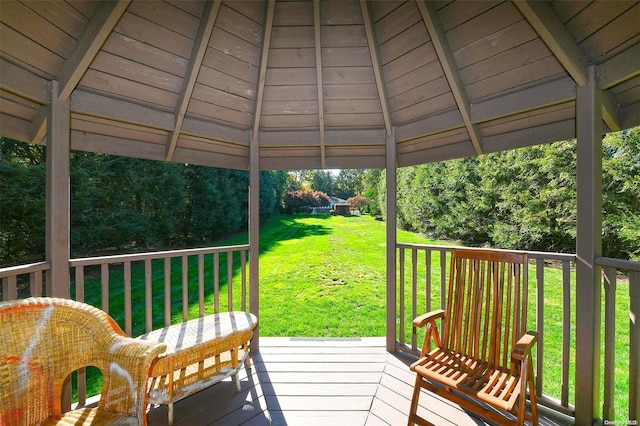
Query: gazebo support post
column 254, row 236
column 391, row 167
column 58, row 217
column 588, row 248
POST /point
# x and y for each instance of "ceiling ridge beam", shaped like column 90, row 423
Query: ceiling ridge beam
column 209, row 17
column 103, row 21
column 262, row 76
column 443, row 50
column 319, row 79
column 375, row 62
column 553, row 33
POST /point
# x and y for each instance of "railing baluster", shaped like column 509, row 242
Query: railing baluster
column 566, row 331
column 443, row 279
column 148, row 295
column 230, row 280
column 35, row 283
column 185, row 288
column 414, row 295
column 539, row 324
column 167, row 291
column 216, row 282
column 127, row 299
column 401, row 299
column 201, row 284
column 243, row 274
column 608, row 407
column 104, row 285
column 10, row 288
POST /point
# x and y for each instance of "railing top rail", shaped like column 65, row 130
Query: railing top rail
column 24, row 269
column 530, row 254
column 618, row 263
column 155, row 255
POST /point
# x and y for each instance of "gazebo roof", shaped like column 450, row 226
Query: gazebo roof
column 317, row 84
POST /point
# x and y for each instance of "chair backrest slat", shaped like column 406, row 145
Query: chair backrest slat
column 486, row 304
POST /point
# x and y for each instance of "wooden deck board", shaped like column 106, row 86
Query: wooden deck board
column 331, row 382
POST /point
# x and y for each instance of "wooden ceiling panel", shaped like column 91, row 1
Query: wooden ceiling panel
column 235, row 47
column 516, row 57
column 614, row 37
column 294, row 93
column 403, row 43
column 290, row 58
column 413, row 79
column 135, row 71
column 343, row 36
column 148, row 32
column 128, row 89
column 340, row 12
column 627, row 92
column 534, row 118
column 228, row 83
column 240, row 26
column 289, row 107
column 509, row 37
column 483, row 25
column 346, row 56
column 424, row 109
column 350, row 91
column 219, row 113
column 348, row 75
column 144, row 53
column 293, row 14
column 222, row 98
column 167, row 16
column 17, row 106
column 595, row 16
column 397, row 21
column 410, row 61
column 230, row 65
column 349, row 120
column 424, row 92
column 292, row 37
column 254, row 10
column 457, row 13
column 294, row 121
column 515, row 78
column 28, row 54
column 359, row 106
column 38, row 29
column 290, row 76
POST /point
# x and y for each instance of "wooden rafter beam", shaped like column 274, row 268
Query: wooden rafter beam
column 266, row 42
column 441, row 46
column 200, row 44
column 548, row 26
column 104, row 20
column 375, row 61
column 319, row 80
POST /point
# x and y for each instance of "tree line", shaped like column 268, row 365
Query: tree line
column 124, row 203
column 520, row 199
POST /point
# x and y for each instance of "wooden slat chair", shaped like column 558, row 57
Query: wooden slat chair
column 482, row 361
column 43, row 340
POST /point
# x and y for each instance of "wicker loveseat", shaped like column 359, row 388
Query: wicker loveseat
column 43, row 340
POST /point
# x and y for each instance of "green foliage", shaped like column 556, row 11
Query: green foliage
column 301, row 200
column 124, row 203
column 522, row 199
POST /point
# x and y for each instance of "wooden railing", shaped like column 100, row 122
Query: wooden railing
column 621, row 280
column 146, row 290
column 422, row 279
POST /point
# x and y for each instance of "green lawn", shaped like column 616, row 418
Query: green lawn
column 324, row 276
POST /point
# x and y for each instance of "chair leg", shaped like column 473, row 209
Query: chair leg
column 413, row 412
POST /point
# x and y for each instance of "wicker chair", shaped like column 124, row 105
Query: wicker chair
column 43, row 340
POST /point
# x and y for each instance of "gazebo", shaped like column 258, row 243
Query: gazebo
column 301, row 84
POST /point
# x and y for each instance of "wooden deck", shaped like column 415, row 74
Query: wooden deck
column 296, row 381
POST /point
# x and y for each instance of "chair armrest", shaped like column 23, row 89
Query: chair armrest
column 129, row 365
column 523, row 347
column 422, row 320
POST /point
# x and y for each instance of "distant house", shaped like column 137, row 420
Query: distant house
column 340, row 206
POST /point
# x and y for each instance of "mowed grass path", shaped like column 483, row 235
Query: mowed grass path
column 324, row 276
